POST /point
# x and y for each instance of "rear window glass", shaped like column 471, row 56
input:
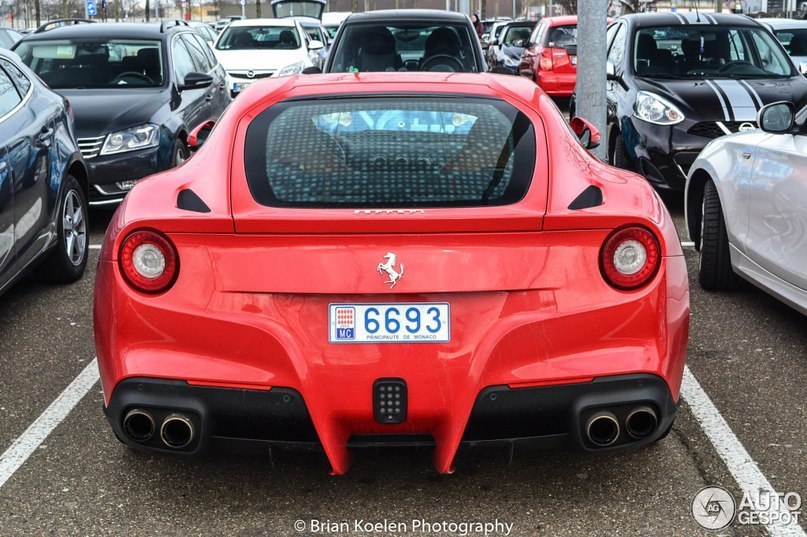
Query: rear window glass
column 390, row 152
column 561, row 36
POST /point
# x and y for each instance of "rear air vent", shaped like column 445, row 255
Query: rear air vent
column 188, row 200
column 389, row 400
column 590, row 197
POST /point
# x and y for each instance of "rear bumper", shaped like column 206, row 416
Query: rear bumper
column 228, row 419
column 556, row 84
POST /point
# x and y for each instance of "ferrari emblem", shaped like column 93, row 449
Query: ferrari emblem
column 389, row 268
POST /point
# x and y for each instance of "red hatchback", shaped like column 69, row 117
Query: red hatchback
column 551, row 57
column 381, row 259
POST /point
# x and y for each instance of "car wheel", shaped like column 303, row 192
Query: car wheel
column 66, row 262
column 715, row 272
column 619, row 156
column 181, row 153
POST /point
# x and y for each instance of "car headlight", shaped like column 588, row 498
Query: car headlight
column 132, row 139
column 655, row 109
column 511, row 62
column 292, row 69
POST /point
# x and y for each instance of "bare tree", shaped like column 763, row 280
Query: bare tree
column 569, row 6
column 354, row 5
column 483, row 6
column 629, row 6
column 148, row 11
column 258, row 8
column 36, row 10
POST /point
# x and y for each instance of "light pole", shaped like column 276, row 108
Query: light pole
column 590, row 98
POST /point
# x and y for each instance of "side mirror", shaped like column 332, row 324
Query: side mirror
column 587, row 133
column 803, row 68
column 312, row 71
column 777, row 118
column 199, row 135
column 196, row 81
column 519, row 43
column 610, row 71
column 315, row 45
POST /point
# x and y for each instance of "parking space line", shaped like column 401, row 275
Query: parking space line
column 685, row 244
column 24, row 446
column 95, row 246
column 742, row 467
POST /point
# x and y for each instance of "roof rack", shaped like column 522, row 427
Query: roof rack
column 61, row 22
column 164, row 25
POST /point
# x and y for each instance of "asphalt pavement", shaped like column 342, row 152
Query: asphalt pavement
column 747, row 351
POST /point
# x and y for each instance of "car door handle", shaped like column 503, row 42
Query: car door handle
column 45, row 137
column 3, row 166
column 209, row 96
column 746, row 156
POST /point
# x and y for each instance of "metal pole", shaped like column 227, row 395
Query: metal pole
column 591, row 56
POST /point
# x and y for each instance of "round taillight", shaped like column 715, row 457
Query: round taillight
column 630, row 258
column 148, row 261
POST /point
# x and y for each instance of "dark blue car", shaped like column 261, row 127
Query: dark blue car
column 43, row 181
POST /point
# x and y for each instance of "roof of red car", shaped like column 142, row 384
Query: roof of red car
column 561, row 21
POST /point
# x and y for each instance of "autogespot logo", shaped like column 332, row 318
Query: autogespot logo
column 713, row 508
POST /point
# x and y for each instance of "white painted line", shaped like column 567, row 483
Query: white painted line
column 95, row 246
column 742, row 467
column 24, row 446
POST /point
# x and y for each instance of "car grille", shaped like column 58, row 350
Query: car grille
column 90, row 147
column 255, row 76
column 712, row 129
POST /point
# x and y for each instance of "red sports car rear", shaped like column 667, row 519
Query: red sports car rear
column 359, row 260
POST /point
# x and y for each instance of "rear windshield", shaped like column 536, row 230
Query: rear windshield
column 561, row 36
column 259, row 37
column 113, row 63
column 405, row 47
column 390, row 152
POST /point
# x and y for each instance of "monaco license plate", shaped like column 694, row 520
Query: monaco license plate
column 573, row 60
column 424, row 322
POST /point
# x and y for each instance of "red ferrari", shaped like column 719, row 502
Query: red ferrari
column 361, row 260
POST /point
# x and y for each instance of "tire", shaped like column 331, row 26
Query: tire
column 181, row 153
column 714, row 271
column 67, row 261
column 619, row 155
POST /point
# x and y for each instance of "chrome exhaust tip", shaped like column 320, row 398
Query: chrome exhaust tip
column 641, row 422
column 177, row 431
column 602, row 429
column 138, row 425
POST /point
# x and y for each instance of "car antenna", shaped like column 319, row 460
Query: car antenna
column 697, row 13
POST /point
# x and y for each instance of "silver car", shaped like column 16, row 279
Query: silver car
column 746, row 207
column 792, row 33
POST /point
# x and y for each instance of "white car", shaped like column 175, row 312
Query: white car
column 746, row 207
column 332, row 20
column 792, row 33
column 260, row 48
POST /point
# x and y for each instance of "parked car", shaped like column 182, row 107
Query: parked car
column 792, row 33
column 205, row 30
column 261, row 48
column 675, row 84
column 746, row 207
column 43, row 181
column 8, row 37
column 488, row 25
column 349, row 238
column 550, row 58
column 136, row 90
column 410, row 40
column 512, row 42
column 223, row 23
column 493, row 48
column 315, row 32
column 331, row 22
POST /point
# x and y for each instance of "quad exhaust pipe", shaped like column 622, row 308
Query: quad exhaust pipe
column 641, row 422
column 139, row 425
column 602, row 429
column 177, row 431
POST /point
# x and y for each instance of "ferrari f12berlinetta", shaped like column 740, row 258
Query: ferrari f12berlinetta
column 392, row 259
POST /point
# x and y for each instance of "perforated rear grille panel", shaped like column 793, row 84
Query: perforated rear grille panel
column 389, row 400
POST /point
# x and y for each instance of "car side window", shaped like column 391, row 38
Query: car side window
column 9, row 97
column 183, row 63
column 197, row 52
column 211, row 58
column 22, row 81
column 617, row 52
column 536, row 35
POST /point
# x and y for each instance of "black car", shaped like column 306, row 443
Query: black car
column 406, row 40
column 678, row 80
column 512, row 42
column 136, row 90
column 43, row 181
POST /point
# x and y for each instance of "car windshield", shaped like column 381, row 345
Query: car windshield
column 114, row 63
column 561, row 36
column 390, row 152
column 794, row 41
column 517, row 36
column 405, row 47
column 331, row 29
column 695, row 52
column 259, row 37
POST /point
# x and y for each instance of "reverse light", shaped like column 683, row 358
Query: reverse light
column 630, row 258
column 656, row 109
column 148, row 261
column 141, row 137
